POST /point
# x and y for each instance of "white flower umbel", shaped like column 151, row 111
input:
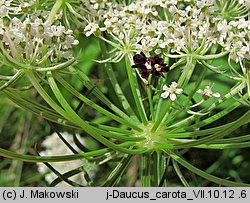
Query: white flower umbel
column 171, row 91
column 34, row 42
column 54, row 146
column 183, row 30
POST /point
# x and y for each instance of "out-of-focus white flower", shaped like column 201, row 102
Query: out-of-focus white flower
column 247, row 3
column 241, row 1
column 207, row 93
column 54, row 147
column 171, row 91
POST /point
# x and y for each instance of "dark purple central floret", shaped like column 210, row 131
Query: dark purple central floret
column 152, row 65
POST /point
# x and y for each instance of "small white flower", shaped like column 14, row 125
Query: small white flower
column 90, row 29
column 57, row 30
column 207, row 93
column 171, row 91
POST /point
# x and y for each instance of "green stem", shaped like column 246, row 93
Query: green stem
column 215, row 69
column 195, row 133
column 70, row 114
column 136, row 91
column 109, row 69
column 187, row 72
column 161, row 164
column 45, row 95
column 211, row 56
column 76, row 119
column 164, row 109
column 197, row 84
column 214, row 117
column 145, row 170
column 57, row 6
column 118, row 172
column 182, row 82
column 94, row 105
column 118, row 136
column 179, row 173
column 203, row 174
column 225, row 146
column 241, row 121
column 158, row 108
column 30, row 158
column 241, row 138
column 90, row 86
column 172, row 116
column 40, row 110
column 179, row 125
column 154, row 169
column 219, row 143
column 233, row 92
column 150, row 100
column 157, row 168
column 14, row 78
column 56, row 67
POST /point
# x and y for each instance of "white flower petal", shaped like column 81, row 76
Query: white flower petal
column 164, row 95
column 165, row 87
column 75, row 42
column 208, row 88
column 200, row 91
column 217, row 94
column 174, row 84
column 173, row 97
column 178, row 91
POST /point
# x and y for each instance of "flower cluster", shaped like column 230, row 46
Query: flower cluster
column 53, row 146
column 234, row 37
column 153, row 65
column 187, row 26
column 35, row 41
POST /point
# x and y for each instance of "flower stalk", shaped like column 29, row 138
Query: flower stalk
column 57, row 6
